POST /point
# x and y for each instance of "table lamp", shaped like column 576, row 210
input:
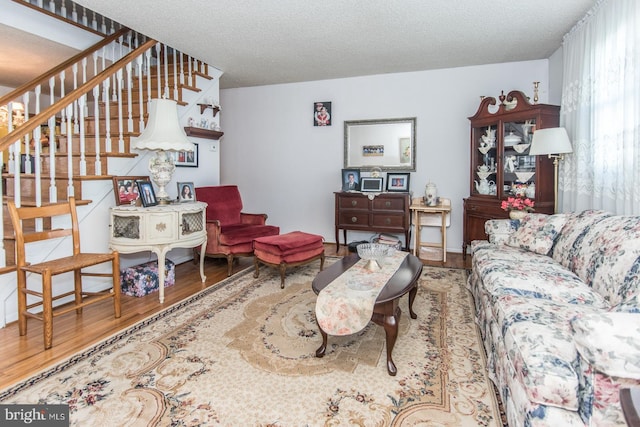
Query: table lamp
column 162, row 134
column 553, row 142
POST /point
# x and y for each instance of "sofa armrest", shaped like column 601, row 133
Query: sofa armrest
column 255, row 219
column 609, row 342
column 499, row 230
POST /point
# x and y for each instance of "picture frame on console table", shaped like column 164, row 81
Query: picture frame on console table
column 186, row 159
column 186, row 192
column 398, row 182
column 125, row 189
column 147, row 195
column 371, row 185
column 350, row 179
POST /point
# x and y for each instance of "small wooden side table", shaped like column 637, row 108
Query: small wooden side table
column 423, row 216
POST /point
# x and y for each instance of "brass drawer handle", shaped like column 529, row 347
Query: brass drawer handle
column 354, row 219
column 354, row 203
column 388, row 203
column 387, row 221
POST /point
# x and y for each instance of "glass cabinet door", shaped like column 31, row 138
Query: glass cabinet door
column 484, row 160
column 519, row 168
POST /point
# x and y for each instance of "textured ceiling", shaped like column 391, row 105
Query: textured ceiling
column 257, row 43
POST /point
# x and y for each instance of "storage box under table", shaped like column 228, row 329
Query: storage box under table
column 141, row 280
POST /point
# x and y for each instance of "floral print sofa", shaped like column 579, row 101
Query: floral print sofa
column 557, row 303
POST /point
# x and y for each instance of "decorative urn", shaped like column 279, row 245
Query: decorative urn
column 430, row 194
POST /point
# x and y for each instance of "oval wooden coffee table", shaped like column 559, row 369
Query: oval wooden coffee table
column 386, row 311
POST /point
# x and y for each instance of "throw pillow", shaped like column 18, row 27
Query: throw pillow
column 538, row 232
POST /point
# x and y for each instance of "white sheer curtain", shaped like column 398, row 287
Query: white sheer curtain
column 601, row 110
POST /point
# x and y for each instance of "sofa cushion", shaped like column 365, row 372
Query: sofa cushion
column 610, row 262
column 609, row 342
column 538, row 277
column 537, row 232
column 630, row 304
column 569, row 245
column 538, row 341
column 499, row 230
column 485, row 252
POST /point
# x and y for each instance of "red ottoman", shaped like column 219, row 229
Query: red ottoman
column 287, row 250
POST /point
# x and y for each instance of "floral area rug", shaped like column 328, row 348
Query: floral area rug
column 243, row 353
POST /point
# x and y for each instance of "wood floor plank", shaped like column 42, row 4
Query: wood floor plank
column 21, row 357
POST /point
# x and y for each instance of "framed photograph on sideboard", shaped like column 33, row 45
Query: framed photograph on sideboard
column 398, row 182
column 373, row 185
column 186, row 192
column 350, row 179
column 147, row 195
column 126, row 190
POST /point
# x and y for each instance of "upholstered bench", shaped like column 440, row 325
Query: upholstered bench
column 141, row 280
column 287, row 250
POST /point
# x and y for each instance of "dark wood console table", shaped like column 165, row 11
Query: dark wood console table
column 377, row 213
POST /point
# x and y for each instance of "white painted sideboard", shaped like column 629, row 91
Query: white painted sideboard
column 159, row 229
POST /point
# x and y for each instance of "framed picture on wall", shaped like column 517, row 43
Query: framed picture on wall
column 322, row 113
column 186, row 159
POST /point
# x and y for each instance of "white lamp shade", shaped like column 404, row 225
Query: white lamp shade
column 550, row 141
column 163, row 132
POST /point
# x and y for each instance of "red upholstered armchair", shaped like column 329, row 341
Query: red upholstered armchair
column 230, row 232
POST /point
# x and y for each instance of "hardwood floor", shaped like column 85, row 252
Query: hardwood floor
column 21, row 357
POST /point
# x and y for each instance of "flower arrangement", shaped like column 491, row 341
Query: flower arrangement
column 518, row 204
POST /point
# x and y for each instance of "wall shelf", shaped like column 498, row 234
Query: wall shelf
column 203, row 133
column 215, row 108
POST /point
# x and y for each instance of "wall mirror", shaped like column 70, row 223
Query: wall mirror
column 388, row 144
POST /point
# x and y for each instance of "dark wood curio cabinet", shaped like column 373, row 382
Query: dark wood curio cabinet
column 501, row 167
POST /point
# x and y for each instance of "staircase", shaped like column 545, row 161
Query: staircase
column 69, row 130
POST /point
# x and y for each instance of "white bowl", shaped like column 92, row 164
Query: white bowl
column 512, row 139
column 521, row 148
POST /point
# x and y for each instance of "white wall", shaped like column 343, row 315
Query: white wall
column 556, row 73
column 289, row 169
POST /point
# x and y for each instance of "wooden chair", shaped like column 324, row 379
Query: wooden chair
column 75, row 262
